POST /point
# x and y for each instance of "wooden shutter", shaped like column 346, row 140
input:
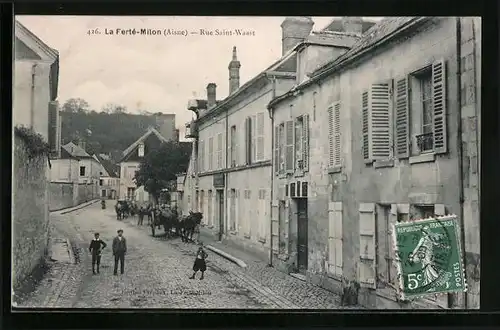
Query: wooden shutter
column 254, row 139
column 331, row 136
column 305, row 143
column 211, row 153
column 337, row 135
column 393, row 219
column 276, row 149
column 367, row 241
column 335, row 233
column 53, row 129
column 366, row 126
column 289, row 147
column 236, row 146
column 260, row 136
column 439, row 104
column 275, row 226
column 380, row 121
column 402, row 119
column 248, row 141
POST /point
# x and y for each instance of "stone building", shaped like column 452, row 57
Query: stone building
column 233, row 145
column 393, row 136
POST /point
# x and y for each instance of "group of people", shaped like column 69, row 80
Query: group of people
column 119, row 247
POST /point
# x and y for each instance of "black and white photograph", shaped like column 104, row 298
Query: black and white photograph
column 245, row 162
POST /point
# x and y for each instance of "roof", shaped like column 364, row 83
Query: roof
column 76, row 150
column 380, row 33
column 111, row 168
column 336, row 25
column 51, row 53
column 66, row 155
column 134, row 145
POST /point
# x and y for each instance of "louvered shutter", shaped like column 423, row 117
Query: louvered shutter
column 260, row 136
column 276, row 149
column 393, row 219
column 367, row 229
column 289, row 149
column 439, row 104
column 248, row 140
column 53, row 129
column 230, row 148
column 331, row 136
column 335, row 260
column 253, row 157
column 210, row 153
column 337, row 135
column 366, row 126
column 275, row 226
column 402, row 119
column 305, row 143
column 380, row 121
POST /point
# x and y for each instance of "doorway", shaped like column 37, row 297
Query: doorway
column 220, row 199
column 302, row 253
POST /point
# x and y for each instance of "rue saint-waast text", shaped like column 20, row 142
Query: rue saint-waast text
column 171, row 32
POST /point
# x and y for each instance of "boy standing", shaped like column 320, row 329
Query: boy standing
column 95, row 248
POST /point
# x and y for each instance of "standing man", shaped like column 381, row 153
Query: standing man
column 119, row 251
column 95, row 249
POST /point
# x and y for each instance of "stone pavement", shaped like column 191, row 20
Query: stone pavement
column 157, row 274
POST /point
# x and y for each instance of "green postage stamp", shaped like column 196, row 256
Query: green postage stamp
column 429, row 257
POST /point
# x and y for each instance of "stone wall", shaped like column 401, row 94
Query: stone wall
column 86, row 192
column 62, row 195
column 30, row 216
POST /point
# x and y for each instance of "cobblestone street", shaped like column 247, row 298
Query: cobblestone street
column 157, row 273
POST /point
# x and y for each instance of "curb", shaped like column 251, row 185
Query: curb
column 81, row 206
column 227, row 256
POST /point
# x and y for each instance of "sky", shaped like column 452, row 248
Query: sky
column 155, row 73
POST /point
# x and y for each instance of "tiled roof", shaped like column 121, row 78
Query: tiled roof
column 76, row 150
column 336, row 25
column 111, row 168
column 66, row 155
column 134, row 145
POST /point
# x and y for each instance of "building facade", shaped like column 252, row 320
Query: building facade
column 391, row 123
column 65, row 168
column 109, row 180
column 234, row 141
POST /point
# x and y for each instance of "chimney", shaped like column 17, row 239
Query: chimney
column 165, row 124
column 211, row 95
column 294, row 30
column 234, row 73
column 352, row 24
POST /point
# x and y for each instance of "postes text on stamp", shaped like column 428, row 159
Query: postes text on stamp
column 428, row 257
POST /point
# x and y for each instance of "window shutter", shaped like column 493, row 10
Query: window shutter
column 236, row 147
column 276, row 149
column 393, row 219
column 439, row 104
column 220, row 151
column 305, row 143
column 289, row 149
column 402, row 119
column 335, row 261
column 210, row 153
column 337, row 133
column 366, row 266
column 380, row 121
column 331, row 136
column 260, row 136
column 248, row 140
column 53, row 128
column 366, row 127
column 275, row 226
column 253, row 156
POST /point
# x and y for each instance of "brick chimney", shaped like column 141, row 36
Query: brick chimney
column 211, row 95
column 294, row 30
column 352, row 24
column 234, row 73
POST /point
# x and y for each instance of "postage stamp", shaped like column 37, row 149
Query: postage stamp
column 429, row 257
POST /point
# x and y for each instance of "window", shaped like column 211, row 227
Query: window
column 210, row 153
column 201, row 156
column 301, row 143
column 334, row 143
column 289, row 148
column 103, row 193
column 209, row 208
column 335, row 233
column 298, row 143
column 260, row 137
column 234, row 147
column 141, row 150
column 421, row 211
column 232, row 210
column 248, row 141
column 219, row 151
column 82, row 170
column 101, row 181
column 262, row 215
column 421, row 112
column 247, row 213
column 281, row 163
column 253, row 139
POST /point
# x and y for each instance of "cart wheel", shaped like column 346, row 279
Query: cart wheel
column 153, row 230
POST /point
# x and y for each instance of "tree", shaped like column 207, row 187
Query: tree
column 76, row 105
column 160, row 166
column 114, row 108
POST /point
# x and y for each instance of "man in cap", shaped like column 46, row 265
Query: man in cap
column 119, row 251
column 95, row 248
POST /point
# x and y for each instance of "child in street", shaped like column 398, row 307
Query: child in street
column 199, row 262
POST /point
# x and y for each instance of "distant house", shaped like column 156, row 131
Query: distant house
column 109, row 178
column 141, row 195
column 88, row 167
column 65, row 168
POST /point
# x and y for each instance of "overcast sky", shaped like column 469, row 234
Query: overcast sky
column 155, row 73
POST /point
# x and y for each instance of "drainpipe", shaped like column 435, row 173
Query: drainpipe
column 32, row 96
column 272, row 177
column 226, row 180
column 459, row 142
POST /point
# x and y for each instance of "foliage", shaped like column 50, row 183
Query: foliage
column 35, row 144
column 75, row 105
column 161, row 166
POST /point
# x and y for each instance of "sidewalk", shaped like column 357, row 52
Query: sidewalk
column 74, row 208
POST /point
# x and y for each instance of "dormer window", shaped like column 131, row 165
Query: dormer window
column 141, row 150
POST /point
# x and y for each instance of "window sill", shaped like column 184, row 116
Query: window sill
column 423, row 158
column 247, row 236
column 383, row 163
column 299, row 174
column 262, row 240
column 335, row 169
column 232, row 232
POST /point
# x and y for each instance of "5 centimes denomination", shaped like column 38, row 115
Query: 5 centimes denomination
column 429, row 257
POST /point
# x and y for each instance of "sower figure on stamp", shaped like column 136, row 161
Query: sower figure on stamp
column 95, row 248
column 119, row 251
column 199, row 262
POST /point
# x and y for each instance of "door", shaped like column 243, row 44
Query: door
column 220, row 198
column 302, row 235
column 103, row 193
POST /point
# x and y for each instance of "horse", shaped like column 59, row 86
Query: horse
column 424, row 254
column 188, row 224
